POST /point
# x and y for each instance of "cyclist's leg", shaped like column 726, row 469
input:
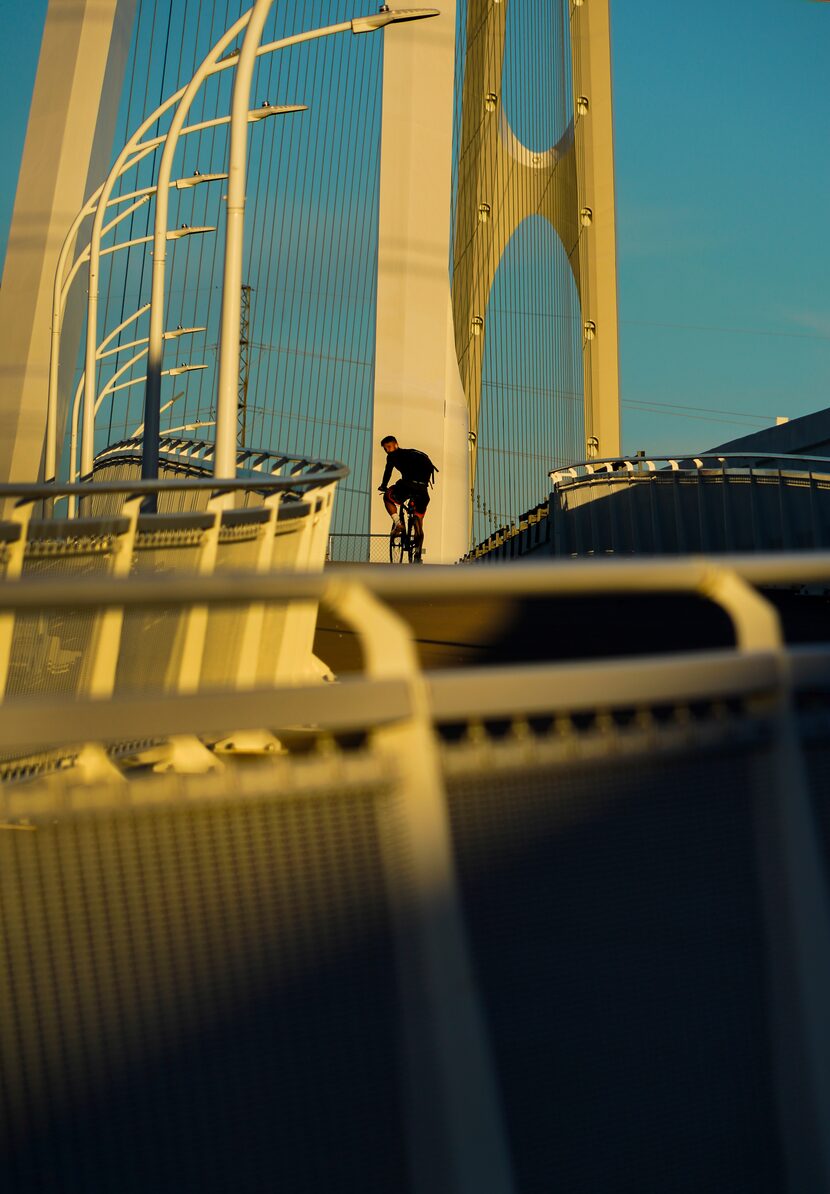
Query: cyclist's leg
column 396, row 547
column 420, row 501
column 392, row 510
column 417, row 525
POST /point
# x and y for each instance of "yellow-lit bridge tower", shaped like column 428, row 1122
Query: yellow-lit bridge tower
column 431, row 343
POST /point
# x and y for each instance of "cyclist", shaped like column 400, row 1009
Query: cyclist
column 417, row 474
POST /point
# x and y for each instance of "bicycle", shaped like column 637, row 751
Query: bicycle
column 404, row 546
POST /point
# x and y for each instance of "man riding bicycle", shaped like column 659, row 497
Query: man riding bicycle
column 417, row 472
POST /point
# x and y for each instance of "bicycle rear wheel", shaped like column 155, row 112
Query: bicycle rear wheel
column 414, row 545
column 411, row 542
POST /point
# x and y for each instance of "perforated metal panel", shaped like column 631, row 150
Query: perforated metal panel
column 615, row 921
column 152, row 641
column 51, row 651
column 817, row 757
column 200, row 996
column 675, row 511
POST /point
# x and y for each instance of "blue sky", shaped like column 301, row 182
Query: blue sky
column 722, row 114
column 16, row 81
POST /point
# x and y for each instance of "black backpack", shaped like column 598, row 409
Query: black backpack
column 424, row 470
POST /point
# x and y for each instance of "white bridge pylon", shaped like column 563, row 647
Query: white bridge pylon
column 427, row 393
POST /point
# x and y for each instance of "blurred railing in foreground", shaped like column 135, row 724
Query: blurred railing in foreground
column 674, row 505
column 536, row 925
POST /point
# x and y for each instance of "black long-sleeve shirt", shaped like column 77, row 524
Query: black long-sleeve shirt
column 409, row 463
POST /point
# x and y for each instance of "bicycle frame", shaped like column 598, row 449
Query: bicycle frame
column 406, row 545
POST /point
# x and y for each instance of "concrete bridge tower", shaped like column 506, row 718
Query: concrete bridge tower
column 67, row 152
column 431, row 334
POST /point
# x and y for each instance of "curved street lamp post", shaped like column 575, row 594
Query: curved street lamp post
column 224, row 462
column 64, row 278
column 130, row 155
column 179, row 184
column 152, row 395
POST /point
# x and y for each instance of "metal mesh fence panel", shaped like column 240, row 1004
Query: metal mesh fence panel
column 671, row 512
column 51, row 651
column 358, row 549
column 817, row 756
column 152, row 640
column 616, row 931
column 237, row 550
column 200, row 996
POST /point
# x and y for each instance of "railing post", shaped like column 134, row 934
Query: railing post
column 794, row 884
column 246, row 670
column 21, row 514
column 193, row 647
column 794, row 888
column 457, row 1135
column 107, row 638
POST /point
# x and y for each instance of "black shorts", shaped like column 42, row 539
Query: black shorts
column 419, row 493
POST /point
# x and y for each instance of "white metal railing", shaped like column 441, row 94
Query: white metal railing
column 718, row 461
column 181, row 457
column 728, row 583
column 193, row 458
column 675, row 505
column 571, row 523
column 200, row 527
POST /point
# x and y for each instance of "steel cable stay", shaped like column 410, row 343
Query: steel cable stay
column 129, row 98
column 175, row 297
column 221, row 88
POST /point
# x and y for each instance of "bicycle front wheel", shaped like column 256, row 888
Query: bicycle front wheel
column 396, row 549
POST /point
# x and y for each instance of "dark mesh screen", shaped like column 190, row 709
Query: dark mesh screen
column 51, row 651
column 817, row 755
column 615, row 921
column 153, row 640
column 199, row 999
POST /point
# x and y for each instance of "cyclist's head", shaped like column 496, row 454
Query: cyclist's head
column 389, row 443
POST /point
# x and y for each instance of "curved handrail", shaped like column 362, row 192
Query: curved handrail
column 319, row 472
column 730, row 584
column 255, row 462
column 615, row 464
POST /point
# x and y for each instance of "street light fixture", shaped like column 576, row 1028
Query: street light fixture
column 389, row 16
